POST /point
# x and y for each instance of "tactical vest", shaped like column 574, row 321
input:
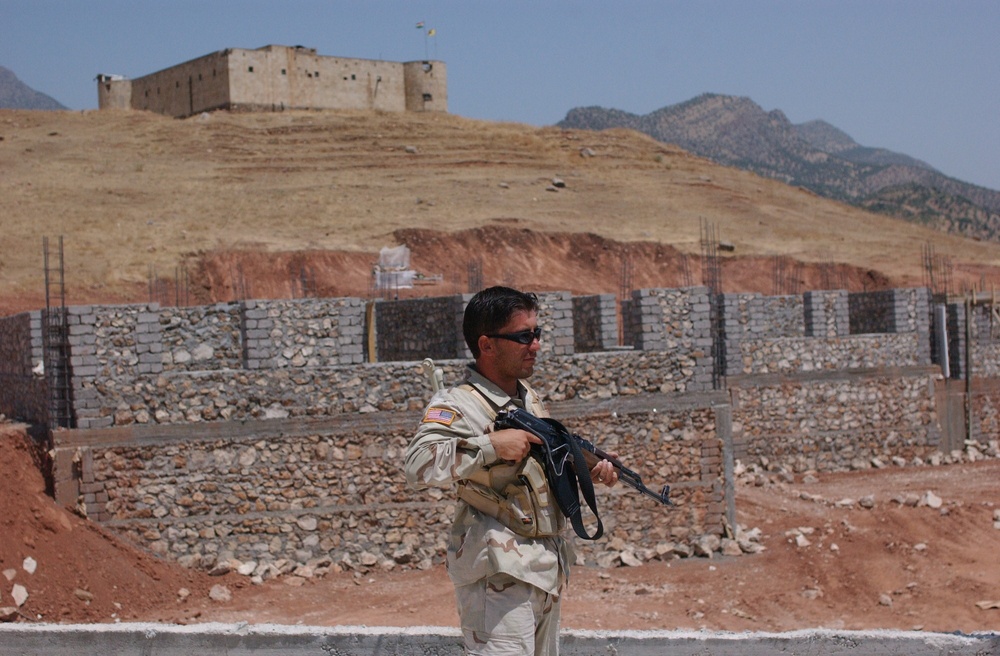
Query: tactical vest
column 515, row 494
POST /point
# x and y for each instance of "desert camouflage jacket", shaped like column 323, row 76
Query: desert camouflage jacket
column 452, row 445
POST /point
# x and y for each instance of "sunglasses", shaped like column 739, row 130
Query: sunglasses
column 522, row 337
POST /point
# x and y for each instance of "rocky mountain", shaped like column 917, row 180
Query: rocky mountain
column 15, row 94
column 737, row 132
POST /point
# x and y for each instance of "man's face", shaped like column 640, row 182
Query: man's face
column 514, row 360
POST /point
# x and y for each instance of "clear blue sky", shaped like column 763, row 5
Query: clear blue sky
column 916, row 76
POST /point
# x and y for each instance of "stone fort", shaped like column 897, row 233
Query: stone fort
column 275, row 78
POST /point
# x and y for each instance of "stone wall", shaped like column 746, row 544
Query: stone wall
column 754, row 316
column 826, row 313
column 677, row 321
column 984, row 349
column 421, row 328
column 555, row 317
column 23, row 391
column 110, row 346
column 206, row 337
column 890, row 311
column 985, row 344
column 764, row 356
column 198, row 85
column 273, row 430
column 147, row 364
column 305, row 333
column 751, row 318
column 835, row 423
column 595, row 323
column 292, row 490
column 985, row 411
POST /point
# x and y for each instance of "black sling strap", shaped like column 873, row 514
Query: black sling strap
column 568, row 482
column 564, row 464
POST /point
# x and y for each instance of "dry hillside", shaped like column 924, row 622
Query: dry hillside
column 247, row 203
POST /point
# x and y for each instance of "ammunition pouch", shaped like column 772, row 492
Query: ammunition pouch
column 516, row 495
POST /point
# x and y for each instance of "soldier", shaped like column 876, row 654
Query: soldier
column 506, row 556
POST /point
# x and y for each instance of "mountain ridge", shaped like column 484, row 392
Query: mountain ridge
column 15, row 94
column 735, row 131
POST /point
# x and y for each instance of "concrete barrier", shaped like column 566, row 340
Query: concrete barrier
column 270, row 639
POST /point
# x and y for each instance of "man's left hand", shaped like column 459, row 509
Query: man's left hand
column 604, row 472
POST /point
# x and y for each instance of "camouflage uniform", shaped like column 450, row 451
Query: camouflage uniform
column 492, row 566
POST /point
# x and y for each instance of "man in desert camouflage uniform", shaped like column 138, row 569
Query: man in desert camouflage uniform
column 506, row 556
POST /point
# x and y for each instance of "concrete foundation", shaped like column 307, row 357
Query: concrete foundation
column 242, row 638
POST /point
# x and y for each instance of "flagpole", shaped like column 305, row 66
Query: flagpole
column 423, row 28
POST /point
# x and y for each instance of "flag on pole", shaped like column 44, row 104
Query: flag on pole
column 420, row 25
column 431, row 32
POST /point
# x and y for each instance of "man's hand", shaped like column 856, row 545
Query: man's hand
column 604, row 472
column 513, row 444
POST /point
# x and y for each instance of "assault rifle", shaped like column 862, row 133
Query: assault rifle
column 558, row 449
column 555, row 435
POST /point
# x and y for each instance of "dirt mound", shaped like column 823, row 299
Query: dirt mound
column 581, row 263
column 82, row 572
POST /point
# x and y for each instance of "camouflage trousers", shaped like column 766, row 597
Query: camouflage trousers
column 502, row 616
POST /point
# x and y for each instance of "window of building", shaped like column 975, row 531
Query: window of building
column 250, row 69
column 199, row 77
column 177, row 84
column 284, row 72
column 428, row 97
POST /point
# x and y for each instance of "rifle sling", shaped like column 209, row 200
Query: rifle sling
column 568, row 483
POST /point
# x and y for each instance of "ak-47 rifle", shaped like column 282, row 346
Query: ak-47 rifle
column 554, row 433
column 560, row 448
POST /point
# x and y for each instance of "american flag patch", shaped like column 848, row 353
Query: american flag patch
column 440, row 416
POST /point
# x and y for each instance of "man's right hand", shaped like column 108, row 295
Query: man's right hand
column 513, row 444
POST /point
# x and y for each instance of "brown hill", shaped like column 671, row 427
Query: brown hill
column 248, row 202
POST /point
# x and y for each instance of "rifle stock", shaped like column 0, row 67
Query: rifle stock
column 517, row 418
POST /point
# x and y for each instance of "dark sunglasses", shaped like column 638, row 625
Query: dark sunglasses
column 523, row 337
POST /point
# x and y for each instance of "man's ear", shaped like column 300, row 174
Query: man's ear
column 485, row 344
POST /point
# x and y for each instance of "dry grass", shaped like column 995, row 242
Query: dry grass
column 131, row 191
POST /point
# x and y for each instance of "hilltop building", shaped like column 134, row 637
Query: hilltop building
column 275, row 78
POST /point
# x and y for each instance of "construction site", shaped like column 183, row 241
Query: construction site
column 246, row 414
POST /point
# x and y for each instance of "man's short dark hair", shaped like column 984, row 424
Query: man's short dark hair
column 490, row 310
